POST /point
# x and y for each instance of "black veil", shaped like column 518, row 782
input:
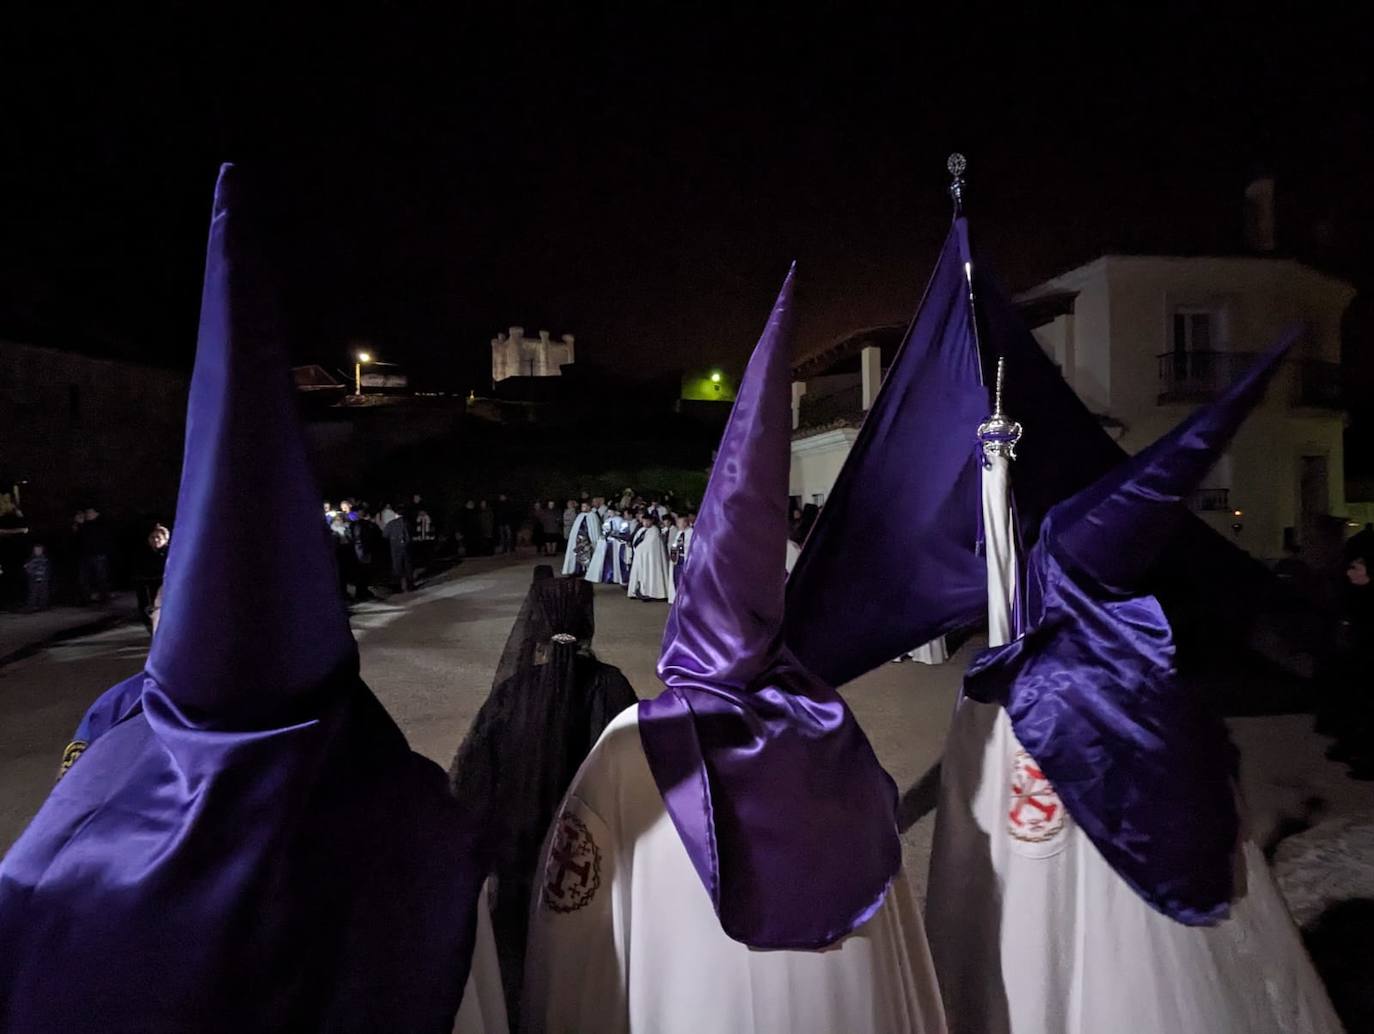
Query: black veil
column 519, row 649
column 549, row 703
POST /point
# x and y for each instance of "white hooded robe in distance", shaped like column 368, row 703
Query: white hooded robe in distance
column 649, row 572
column 608, row 559
column 677, row 537
column 590, row 524
column 623, row 938
column 1034, row 933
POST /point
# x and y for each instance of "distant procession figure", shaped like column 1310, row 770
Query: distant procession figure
column 610, row 564
column 583, row 537
column 649, row 571
column 679, row 548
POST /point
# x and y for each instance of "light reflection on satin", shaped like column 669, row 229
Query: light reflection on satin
column 782, row 806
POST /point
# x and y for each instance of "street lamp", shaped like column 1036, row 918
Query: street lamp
column 361, row 357
column 715, row 376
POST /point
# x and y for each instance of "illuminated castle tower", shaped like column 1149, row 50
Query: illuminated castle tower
column 514, row 355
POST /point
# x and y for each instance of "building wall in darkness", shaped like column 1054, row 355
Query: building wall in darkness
column 84, row 431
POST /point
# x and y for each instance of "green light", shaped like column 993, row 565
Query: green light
column 715, row 377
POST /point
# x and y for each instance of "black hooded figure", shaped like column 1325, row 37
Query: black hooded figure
column 549, row 703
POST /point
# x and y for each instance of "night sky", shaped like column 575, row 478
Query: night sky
column 643, row 183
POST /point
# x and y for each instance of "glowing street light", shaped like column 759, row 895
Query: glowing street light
column 361, row 357
column 715, row 376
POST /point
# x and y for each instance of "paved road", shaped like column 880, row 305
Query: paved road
column 430, row 659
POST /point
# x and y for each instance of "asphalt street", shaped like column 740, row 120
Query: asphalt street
column 430, row 656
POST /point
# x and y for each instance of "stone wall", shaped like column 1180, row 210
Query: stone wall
column 85, row 431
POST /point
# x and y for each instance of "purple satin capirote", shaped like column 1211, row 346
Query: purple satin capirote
column 1116, row 530
column 1143, row 764
column 250, row 845
column 237, row 568
column 775, row 791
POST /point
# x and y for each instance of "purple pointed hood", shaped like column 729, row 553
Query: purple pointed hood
column 252, row 613
column 784, row 810
column 248, row 843
column 1092, row 690
column 1115, row 530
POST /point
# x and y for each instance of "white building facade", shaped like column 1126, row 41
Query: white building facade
column 514, row 355
column 1144, row 339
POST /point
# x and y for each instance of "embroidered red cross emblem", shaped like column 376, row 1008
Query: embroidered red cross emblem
column 573, row 871
column 1036, row 813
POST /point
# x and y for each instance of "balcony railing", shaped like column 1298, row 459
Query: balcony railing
column 840, row 408
column 1199, row 376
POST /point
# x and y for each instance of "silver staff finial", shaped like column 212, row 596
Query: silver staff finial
column 956, row 165
column 998, row 434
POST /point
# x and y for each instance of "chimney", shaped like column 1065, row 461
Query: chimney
column 1261, row 233
column 798, row 393
column 871, row 370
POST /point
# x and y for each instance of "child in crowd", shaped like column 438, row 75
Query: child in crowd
column 38, row 570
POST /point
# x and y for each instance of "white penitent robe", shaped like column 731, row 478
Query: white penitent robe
column 609, row 564
column 623, row 938
column 649, row 572
column 582, row 540
column 483, row 1010
column 933, row 652
column 1034, row 933
column 679, row 547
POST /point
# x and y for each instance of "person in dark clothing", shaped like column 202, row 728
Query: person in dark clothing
column 38, row 573
column 486, row 527
column 95, row 542
column 548, row 526
column 148, row 572
column 15, row 549
column 505, row 524
column 809, row 514
column 354, row 552
column 397, row 536
column 470, row 529
column 550, row 701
